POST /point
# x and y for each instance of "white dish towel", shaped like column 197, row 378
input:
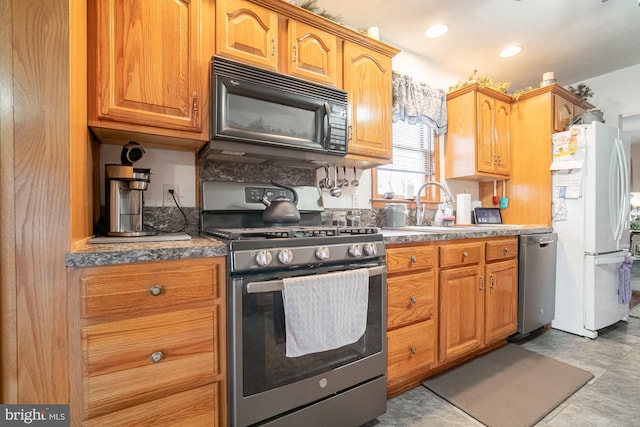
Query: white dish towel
column 325, row 311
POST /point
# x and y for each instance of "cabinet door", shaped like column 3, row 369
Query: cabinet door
column 461, row 312
column 501, row 300
column 501, row 147
column 247, row 32
column 147, row 67
column 312, row 53
column 411, row 351
column 563, row 113
column 486, row 112
column 367, row 79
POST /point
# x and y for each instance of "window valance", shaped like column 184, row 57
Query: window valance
column 417, row 102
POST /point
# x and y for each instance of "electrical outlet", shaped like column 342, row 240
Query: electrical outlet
column 167, row 200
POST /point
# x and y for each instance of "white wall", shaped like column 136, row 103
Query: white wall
column 167, row 167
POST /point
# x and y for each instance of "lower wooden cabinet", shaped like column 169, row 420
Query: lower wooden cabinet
column 147, row 344
column 411, row 315
column 447, row 302
column 478, row 295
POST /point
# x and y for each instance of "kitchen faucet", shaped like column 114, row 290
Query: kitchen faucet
column 446, row 195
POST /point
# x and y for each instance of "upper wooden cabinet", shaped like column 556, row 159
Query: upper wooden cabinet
column 312, row 54
column 478, row 137
column 148, row 68
column 535, row 116
column 250, row 33
column 367, row 79
column 247, row 32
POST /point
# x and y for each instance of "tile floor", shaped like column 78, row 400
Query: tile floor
column 611, row 398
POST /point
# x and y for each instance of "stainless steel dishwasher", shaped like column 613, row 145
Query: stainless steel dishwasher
column 536, row 281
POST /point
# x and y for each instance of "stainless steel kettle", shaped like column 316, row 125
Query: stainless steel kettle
column 281, row 210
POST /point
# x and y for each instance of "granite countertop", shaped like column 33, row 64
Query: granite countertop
column 425, row 234
column 95, row 254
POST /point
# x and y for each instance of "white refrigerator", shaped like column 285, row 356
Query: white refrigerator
column 590, row 179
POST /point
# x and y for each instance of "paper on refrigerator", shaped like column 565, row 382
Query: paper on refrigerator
column 568, row 149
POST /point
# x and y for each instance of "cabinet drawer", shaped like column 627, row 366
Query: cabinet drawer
column 411, row 349
column 197, row 407
column 410, row 258
column 119, row 289
column 502, row 249
column 410, row 298
column 115, row 352
column 463, row 254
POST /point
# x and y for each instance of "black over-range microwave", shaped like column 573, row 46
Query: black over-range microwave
column 260, row 114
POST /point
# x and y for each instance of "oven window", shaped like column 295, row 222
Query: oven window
column 269, row 117
column 265, row 365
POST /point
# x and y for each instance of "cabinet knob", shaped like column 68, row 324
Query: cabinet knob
column 414, row 350
column 155, row 290
column 295, row 53
column 157, row 356
column 414, row 259
column 273, row 47
column 493, row 281
column 481, row 283
column 465, row 255
column 414, row 300
column 505, row 250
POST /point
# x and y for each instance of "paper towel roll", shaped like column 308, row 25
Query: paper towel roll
column 463, row 209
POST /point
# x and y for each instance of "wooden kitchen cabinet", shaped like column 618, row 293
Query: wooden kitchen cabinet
column 250, row 33
column 247, row 32
column 148, row 71
column 312, row 54
column 501, row 290
column 411, row 315
column 478, row 296
column 461, row 303
column 367, row 79
column 535, row 116
column 146, row 339
column 478, row 137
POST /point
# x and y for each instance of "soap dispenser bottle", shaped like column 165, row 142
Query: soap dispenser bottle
column 439, row 214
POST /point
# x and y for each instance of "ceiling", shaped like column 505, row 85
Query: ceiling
column 576, row 40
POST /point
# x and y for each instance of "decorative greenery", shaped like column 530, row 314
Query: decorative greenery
column 582, row 91
column 634, row 225
column 518, row 93
column 312, row 6
column 482, row 83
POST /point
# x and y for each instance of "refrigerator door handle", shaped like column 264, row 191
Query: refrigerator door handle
column 624, row 186
column 613, row 259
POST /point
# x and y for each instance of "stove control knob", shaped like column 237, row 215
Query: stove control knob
column 323, row 252
column 263, row 258
column 285, row 256
column 355, row 251
column 370, row 249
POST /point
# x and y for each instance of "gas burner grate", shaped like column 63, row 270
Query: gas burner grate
column 287, row 232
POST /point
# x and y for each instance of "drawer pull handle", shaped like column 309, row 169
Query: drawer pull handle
column 465, row 254
column 414, row 259
column 506, row 250
column 414, row 300
column 155, row 290
column 414, row 350
column 157, row 356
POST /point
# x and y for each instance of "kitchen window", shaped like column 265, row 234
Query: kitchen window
column 415, row 160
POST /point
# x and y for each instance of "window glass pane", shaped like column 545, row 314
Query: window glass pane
column 413, row 160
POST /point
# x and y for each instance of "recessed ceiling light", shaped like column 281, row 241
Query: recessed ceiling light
column 510, row 51
column 436, row 30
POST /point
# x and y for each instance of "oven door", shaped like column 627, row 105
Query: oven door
column 264, row 382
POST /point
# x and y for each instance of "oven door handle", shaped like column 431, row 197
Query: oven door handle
column 278, row 285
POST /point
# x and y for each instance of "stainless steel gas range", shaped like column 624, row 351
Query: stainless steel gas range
column 343, row 385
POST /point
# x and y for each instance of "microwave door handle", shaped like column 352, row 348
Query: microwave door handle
column 327, row 115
